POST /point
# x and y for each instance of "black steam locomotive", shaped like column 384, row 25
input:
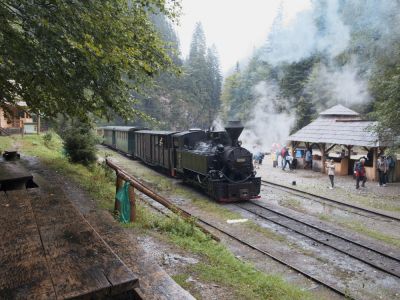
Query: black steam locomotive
column 212, row 160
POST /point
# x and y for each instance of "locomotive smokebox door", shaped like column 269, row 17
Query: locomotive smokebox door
column 244, row 194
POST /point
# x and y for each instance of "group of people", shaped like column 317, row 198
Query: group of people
column 385, row 166
column 359, row 172
column 282, row 156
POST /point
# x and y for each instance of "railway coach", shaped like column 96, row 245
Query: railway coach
column 120, row 138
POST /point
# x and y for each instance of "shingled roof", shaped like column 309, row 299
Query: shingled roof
column 339, row 110
column 332, row 128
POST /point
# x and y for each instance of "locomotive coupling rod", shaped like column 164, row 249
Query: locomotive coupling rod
column 156, row 197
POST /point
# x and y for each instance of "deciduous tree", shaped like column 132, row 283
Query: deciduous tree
column 76, row 57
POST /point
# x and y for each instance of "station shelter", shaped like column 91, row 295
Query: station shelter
column 340, row 133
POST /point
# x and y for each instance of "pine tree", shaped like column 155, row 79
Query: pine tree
column 215, row 83
column 197, row 79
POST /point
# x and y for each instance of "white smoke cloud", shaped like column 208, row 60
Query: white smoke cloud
column 348, row 87
column 322, row 29
column 330, row 86
column 218, row 124
column 300, row 38
column 266, row 126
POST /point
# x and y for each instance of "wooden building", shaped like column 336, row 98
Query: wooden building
column 341, row 128
column 13, row 118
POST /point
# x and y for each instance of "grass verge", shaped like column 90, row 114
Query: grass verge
column 362, row 229
column 218, row 266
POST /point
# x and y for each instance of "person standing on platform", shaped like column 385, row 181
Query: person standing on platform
column 283, row 156
column 308, row 159
column 386, row 173
column 392, row 166
column 381, row 166
column 274, row 158
column 330, row 165
column 360, row 173
column 289, row 161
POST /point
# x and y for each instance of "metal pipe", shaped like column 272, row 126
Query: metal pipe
column 160, row 199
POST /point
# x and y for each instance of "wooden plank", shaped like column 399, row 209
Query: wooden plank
column 72, row 254
column 80, row 262
column 23, row 271
column 12, row 171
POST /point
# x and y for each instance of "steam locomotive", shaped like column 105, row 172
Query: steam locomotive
column 211, row 160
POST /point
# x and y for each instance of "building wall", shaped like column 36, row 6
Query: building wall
column 30, row 128
column 16, row 122
column 342, row 167
column 3, row 120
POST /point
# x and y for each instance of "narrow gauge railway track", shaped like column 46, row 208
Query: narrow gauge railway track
column 318, row 198
column 266, row 253
column 355, row 249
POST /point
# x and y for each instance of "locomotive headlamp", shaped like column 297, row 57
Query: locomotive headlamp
column 220, row 148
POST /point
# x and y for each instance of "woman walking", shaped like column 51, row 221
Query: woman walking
column 330, row 165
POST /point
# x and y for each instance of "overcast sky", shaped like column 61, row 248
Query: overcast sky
column 236, row 27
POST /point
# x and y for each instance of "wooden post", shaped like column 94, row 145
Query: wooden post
column 132, row 203
column 22, row 129
column 349, row 147
column 322, row 149
column 38, row 123
column 374, row 163
column 294, row 147
column 118, row 185
column 292, row 150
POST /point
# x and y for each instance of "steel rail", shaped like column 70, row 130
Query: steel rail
column 326, row 199
column 280, row 222
column 305, row 273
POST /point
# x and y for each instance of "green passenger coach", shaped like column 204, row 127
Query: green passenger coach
column 120, row 137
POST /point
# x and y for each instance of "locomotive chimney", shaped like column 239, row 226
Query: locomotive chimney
column 234, row 129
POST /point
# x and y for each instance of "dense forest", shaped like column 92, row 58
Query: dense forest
column 190, row 98
column 339, row 51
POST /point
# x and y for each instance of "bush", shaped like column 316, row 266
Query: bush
column 80, row 143
column 47, row 138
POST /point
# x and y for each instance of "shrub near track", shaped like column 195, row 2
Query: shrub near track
column 218, row 264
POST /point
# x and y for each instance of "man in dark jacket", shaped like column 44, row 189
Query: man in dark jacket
column 381, row 166
column 360, row 173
